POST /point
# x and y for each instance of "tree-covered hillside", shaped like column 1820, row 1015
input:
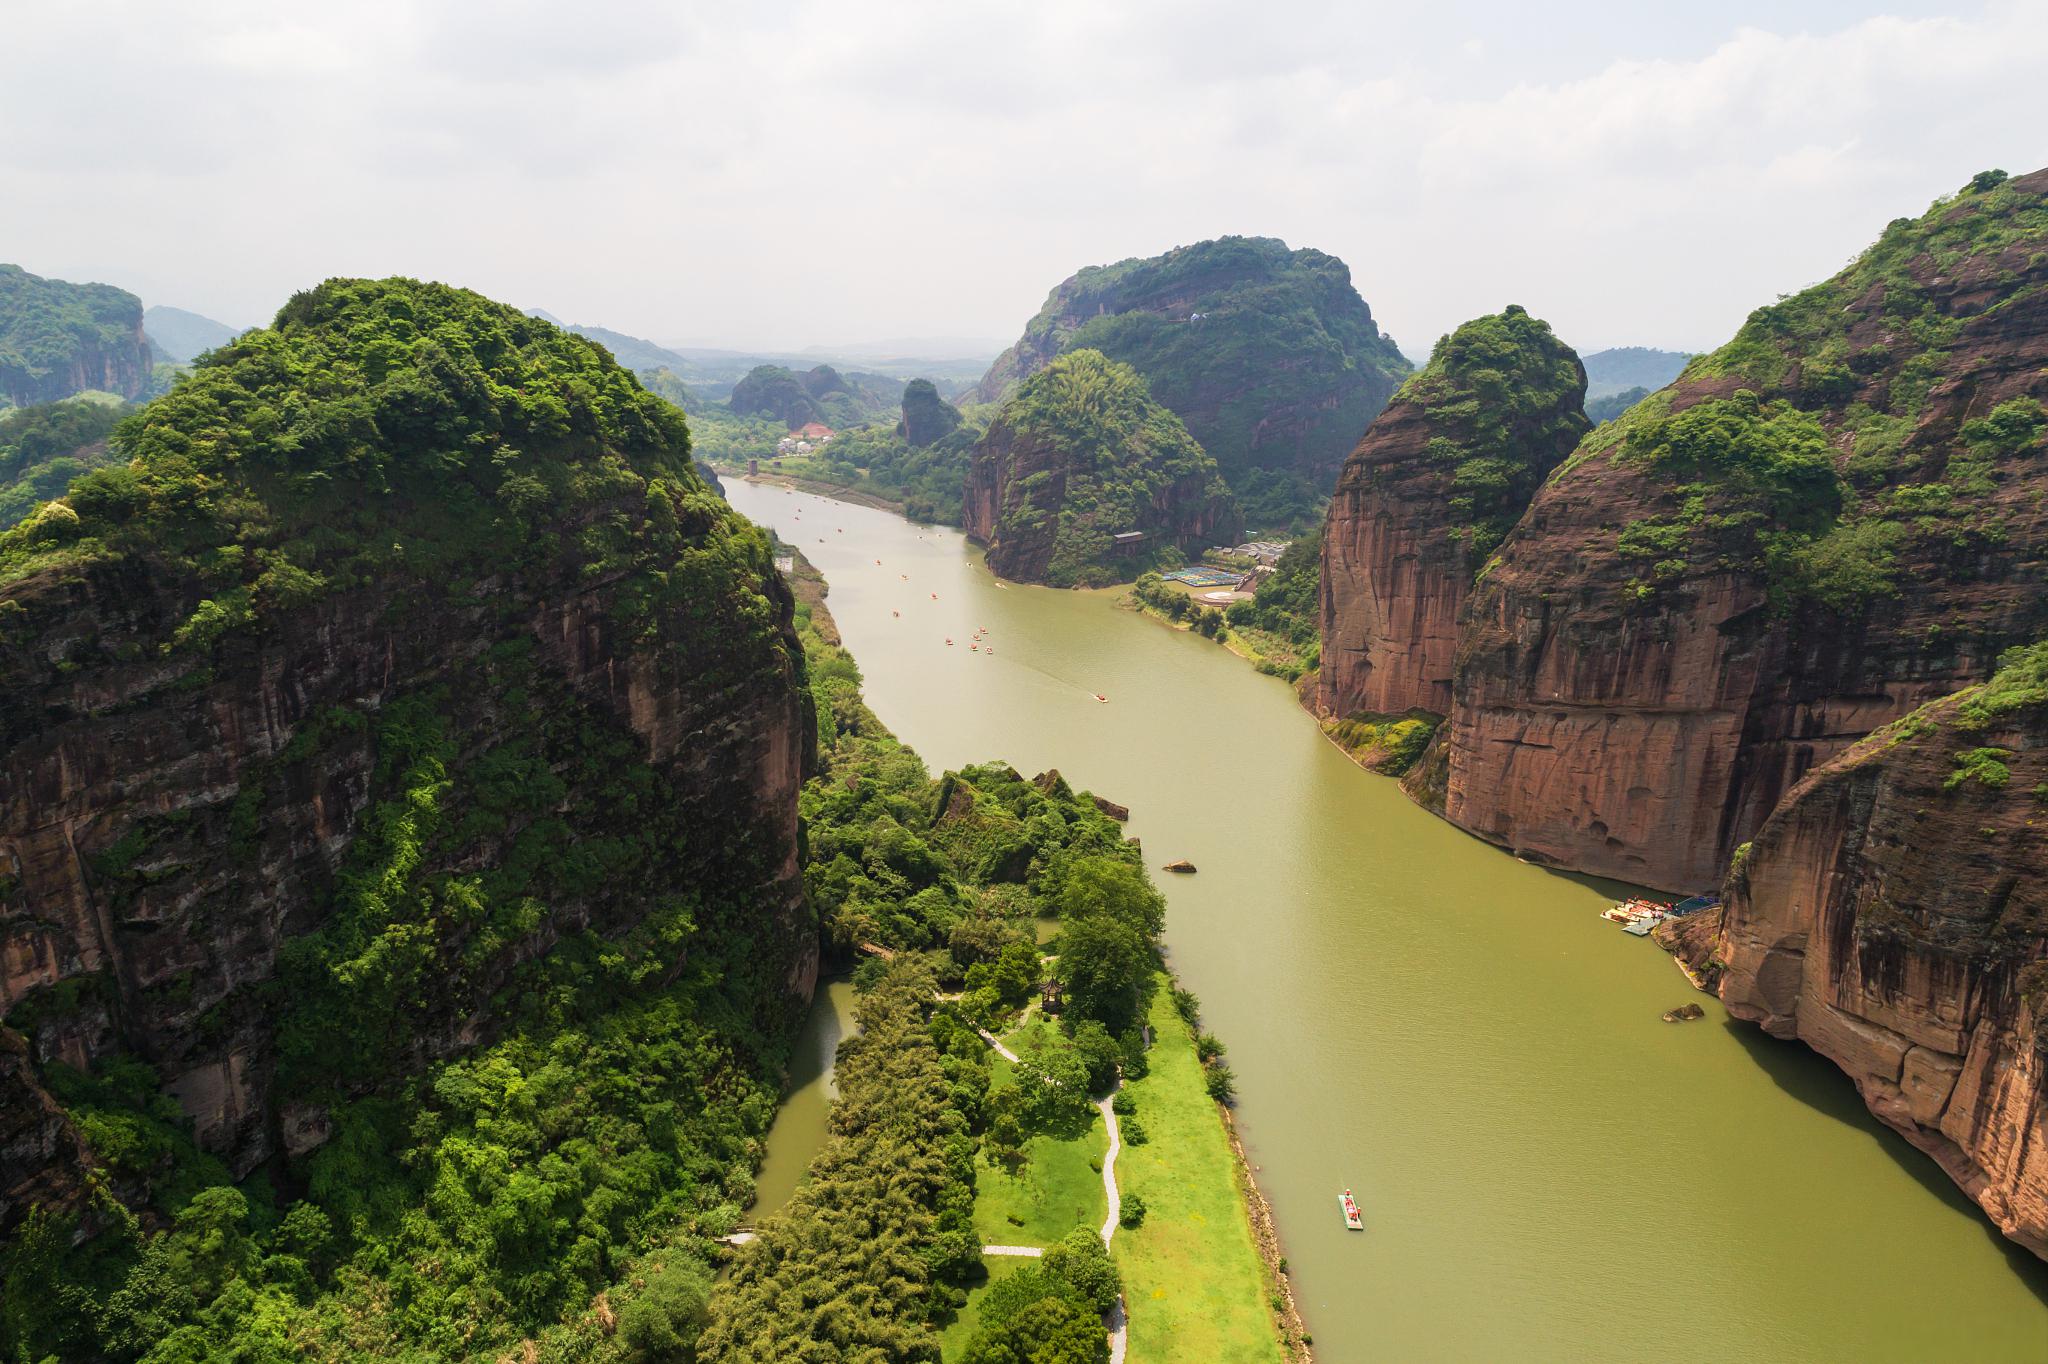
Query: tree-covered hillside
column 43, row 448
column 58, row 338
column 1079, row 455
column 1268, row 355
column 432, row 737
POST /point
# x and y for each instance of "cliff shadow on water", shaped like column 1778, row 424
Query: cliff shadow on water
column 1821, row 1085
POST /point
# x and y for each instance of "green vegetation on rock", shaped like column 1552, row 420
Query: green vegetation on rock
column 58, row 338
column 43, row 448
column 1502, row 397
column 519, row 865
column 1807, row 451
column 1082, row 453
column 1268, row 355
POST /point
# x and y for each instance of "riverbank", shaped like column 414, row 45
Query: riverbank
column 838, row 492
column 1193, row 1260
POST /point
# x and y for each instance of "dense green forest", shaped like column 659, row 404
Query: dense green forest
column 424, row 455
column 43, row 448
column 1082, row 452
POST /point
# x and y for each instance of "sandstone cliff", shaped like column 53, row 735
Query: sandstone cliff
column 1268, row 355
column 1080, row 455
column 1893, row 914
column 57, row 339
column 314, row 740
column 1428, row 494
column 1831, row 520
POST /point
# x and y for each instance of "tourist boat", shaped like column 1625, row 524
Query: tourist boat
column 1630, row 911
column 1103, row 699
column 1351, row 1215
column 949, row 642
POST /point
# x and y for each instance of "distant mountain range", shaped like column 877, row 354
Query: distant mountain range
column 712, row 371
column 1609, row 372
column 179, row 337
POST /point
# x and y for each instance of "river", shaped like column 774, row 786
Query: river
column 1547, row 1169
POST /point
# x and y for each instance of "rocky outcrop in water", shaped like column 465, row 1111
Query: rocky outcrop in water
column 1828, row 522
column 471, row 685
column 1080, row 457
column 1441, row 475
column 58, row 338
column 1893, row 915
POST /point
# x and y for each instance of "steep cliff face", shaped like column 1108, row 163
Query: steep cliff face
column 1268, row 355
column 57, row 339
column 1892, row 915
column 1080, row 455
column 1428, row 494
column 1834, row 518
column 409, row 648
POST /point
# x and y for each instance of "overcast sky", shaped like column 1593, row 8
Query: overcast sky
column 779, row 173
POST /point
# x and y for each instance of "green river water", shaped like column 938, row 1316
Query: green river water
column 1547, row 1169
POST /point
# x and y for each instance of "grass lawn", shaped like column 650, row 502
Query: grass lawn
column 1053, row 1192
column 955, row 1337
column 1192, row 1277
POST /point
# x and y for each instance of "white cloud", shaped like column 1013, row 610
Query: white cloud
column 811, row 171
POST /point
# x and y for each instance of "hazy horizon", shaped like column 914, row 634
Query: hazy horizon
column 799, row 176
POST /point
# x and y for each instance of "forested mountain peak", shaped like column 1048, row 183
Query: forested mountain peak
column 1268, row 355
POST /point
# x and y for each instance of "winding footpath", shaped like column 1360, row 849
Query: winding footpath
column 1106, row 1106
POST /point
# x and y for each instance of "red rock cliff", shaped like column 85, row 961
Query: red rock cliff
column 1441, row 475
column 1832, row 520
column 1893, row 915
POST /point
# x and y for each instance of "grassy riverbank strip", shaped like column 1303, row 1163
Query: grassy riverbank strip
column 1194, row 1279
column 1266, row 651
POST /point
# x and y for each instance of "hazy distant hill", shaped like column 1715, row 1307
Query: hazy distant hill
column 58, row 338
column 1624, row 367
column 178, row 336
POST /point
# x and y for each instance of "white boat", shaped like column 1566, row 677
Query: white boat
column 1352, row 1219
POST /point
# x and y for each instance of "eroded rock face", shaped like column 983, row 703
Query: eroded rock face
column 1824, row 525
column 1424, row 499
column 1892, row 915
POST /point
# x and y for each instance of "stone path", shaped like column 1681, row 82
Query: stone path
column 1114, row 1318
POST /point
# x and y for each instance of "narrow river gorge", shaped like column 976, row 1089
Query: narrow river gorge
column 1547, row 1169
